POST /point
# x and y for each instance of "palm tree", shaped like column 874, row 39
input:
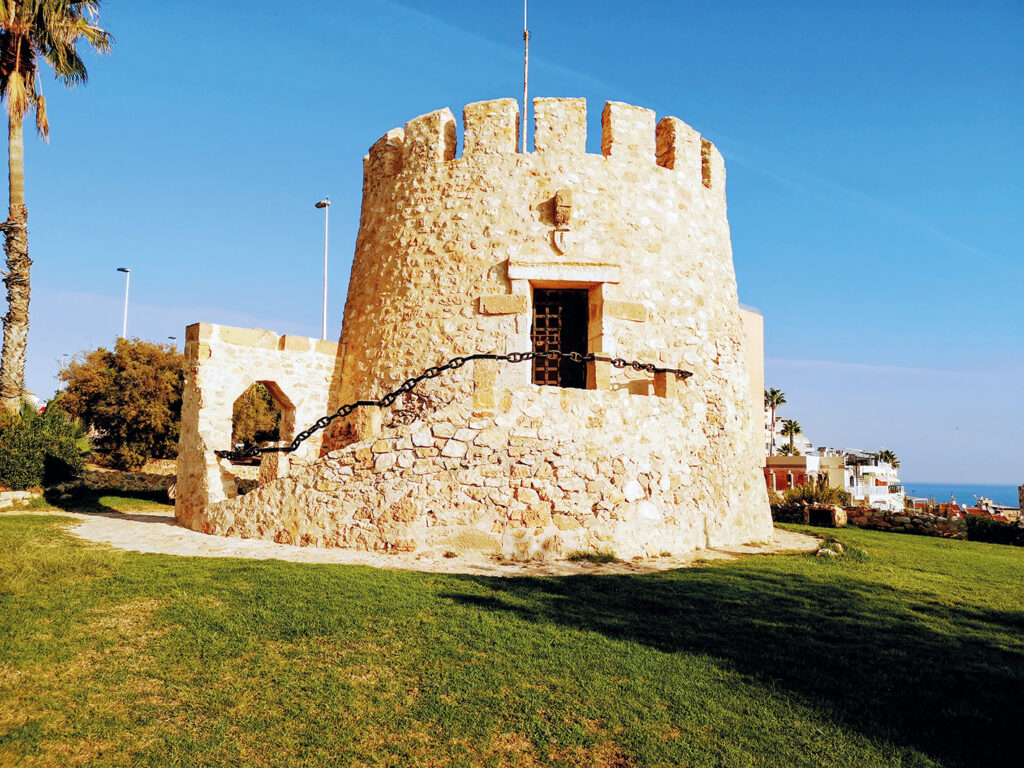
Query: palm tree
column 791, row 429
column 889, row 457
column 773, row 398
column 31, row 30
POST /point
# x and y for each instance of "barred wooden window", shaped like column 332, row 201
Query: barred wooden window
column 560, row 324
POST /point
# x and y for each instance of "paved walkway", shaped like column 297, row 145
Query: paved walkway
column 159, row 533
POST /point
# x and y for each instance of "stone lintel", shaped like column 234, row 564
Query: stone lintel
column 564, row 272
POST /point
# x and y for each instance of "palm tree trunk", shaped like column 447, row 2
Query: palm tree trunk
column 12, row 364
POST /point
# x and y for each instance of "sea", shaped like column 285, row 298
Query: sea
column 964, row 493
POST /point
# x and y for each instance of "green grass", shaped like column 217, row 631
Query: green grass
column 85, row 500
column 906, row 651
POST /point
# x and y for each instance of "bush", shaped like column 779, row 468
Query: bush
column 131, row 396
column 984, row 528
column 255, row 417
column 40, row 449
column 818, row 492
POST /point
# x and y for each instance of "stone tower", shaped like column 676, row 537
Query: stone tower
column 624, row 254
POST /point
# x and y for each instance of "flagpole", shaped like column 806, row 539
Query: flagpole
column 526, row 75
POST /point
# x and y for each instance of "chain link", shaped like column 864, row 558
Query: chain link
column 407, row 387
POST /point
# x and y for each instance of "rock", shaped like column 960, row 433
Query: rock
column 633, row 491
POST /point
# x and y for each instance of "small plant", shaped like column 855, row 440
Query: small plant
column 596, row 556
column 818, row 492
column 449, row 554
column 774, row 498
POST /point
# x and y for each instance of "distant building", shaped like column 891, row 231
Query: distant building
column 869, row 481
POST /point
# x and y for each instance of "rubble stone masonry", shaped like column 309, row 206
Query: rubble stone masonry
column 448, row 254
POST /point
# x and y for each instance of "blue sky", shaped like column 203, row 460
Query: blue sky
column 874, row 180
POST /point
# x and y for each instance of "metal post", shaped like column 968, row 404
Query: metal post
column 127, row 280
column 325, row 204
column 526, row 76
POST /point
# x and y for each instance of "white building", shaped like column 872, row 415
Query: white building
column 873, row 482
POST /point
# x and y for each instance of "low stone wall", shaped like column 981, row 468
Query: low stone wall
column 807, row 514
column 12, row 498
column 553, row 471
column 919, row 523
column 149, row 479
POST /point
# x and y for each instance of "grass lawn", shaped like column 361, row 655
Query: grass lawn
column 907, row 651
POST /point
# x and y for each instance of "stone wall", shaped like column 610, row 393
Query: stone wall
column 103, row 478
column 10, row 499
column 220, row 364
column 922, row 524
column 550, row 471
column 449, row 252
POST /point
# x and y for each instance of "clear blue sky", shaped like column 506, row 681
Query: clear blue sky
column 874, row 157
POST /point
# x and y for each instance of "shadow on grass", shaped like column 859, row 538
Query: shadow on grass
column 120, row 504
column 893, row 664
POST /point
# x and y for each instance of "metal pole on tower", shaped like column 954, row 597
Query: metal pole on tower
column 526, row 75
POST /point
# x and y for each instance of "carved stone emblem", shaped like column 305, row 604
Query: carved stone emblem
column 562, row 238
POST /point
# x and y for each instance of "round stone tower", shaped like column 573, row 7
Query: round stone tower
column 624, row 254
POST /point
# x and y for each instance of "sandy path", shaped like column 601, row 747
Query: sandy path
column 158, row 533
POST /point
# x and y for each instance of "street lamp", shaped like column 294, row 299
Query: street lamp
column 127, row 280
column 325, row 204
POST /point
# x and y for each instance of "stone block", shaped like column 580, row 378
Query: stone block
column 627, row 132
column 679, row 147
column 289, row 343
column 508, row 304
column 248, row 337
column 492, row 127
column 626, row 310
column 429, row 139
column 560, row 125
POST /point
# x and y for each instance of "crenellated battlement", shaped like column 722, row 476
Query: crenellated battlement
column 629, row 134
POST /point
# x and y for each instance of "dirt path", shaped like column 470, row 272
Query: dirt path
column 158, row 533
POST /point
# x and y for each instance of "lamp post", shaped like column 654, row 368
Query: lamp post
column 127, row 280
column 325, row 204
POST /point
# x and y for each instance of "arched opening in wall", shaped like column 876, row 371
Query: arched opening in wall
column 262, row 416
column 255, row 418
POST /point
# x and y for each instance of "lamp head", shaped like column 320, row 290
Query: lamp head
column 123, row 269
column 324, row 203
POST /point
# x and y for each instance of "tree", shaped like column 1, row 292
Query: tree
column 31, row 30
column 791, row 429
column 773, row 398
column 255, row 418
column 131, row 396
column 889, row 457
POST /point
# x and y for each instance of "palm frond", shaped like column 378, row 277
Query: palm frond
column 42, row 121
column 16, row 95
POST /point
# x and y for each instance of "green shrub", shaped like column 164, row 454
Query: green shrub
column 984, row 528
column 600, row 556
column 817, row 492
column 40, row 449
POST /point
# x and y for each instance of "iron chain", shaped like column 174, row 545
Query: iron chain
column 433, row 372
